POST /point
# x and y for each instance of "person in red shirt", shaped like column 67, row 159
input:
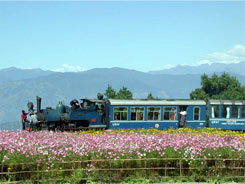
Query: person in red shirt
column 24, row 119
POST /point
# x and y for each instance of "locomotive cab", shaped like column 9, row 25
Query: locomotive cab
column 88, row 114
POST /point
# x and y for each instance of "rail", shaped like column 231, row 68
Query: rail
column 118, row 170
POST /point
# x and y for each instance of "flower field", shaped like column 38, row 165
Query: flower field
column 48, row 150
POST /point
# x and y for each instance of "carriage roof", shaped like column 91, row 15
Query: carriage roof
column 157, row 102
column 226, row 102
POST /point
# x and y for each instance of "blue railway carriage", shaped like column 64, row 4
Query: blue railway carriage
column 160, row 114
column 227, row 114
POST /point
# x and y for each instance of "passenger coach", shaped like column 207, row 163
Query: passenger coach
column 227, row 114
column 161, row 114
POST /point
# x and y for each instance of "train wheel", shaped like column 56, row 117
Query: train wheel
column 61, row 128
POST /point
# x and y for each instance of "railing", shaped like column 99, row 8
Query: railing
column 118, row 170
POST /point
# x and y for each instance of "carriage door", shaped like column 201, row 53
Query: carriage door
column 182, row 115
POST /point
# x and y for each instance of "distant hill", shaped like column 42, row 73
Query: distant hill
column 13, row 74
column 237, row 68
column 11, row 126
column 56, row 87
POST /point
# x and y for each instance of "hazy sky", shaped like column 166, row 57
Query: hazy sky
column 76, row 36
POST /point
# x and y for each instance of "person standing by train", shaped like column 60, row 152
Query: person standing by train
column 24, row 119
column 182, row 119
column 33, row 120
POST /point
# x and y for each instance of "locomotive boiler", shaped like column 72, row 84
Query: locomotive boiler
column 86, row 114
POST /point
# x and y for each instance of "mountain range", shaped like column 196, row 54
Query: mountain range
column 18, row 86
column 15, row 74
column 237, row 68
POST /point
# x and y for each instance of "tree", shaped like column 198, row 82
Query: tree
column 124, row 93
column 110, row 92
column 223, row 87
column 199, row 94
column 150, row 97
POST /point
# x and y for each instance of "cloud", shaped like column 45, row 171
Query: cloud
column 168, row 66
column 165, row 67
column 234, row 55
column 237, row 50
column 202, row 62
column 69, row 68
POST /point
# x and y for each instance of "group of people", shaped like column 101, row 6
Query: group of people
column 28, row 124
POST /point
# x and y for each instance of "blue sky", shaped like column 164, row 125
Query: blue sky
column 145, row 36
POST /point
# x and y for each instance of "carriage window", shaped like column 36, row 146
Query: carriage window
column 196, row 113
column 120, row 113
column 215, row 111
column 235, row 111
column 153, row 113
column 225, row 111
column 169, row 113
column 137, row 113
column 243, row 111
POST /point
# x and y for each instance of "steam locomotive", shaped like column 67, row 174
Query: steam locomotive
column 120, row 114
column 84, row 115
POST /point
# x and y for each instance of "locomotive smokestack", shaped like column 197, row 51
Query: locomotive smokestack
column 39, row 104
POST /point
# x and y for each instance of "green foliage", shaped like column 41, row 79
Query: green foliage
column 150, row 97
column 219, row 87
column 110, row 92
column 199, row 94
column 123, row 93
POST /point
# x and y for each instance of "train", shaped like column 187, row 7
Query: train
column 162, row 114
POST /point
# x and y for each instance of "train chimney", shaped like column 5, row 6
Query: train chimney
column 39, row 104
